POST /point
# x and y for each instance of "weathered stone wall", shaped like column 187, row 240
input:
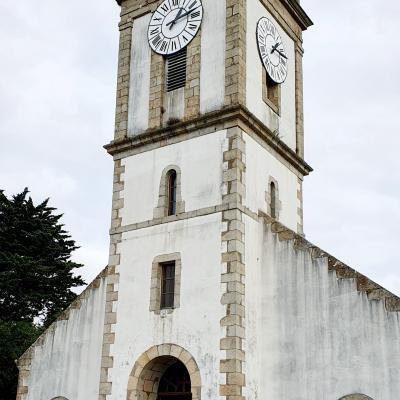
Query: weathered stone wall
column 65, row 361
column 315, row 328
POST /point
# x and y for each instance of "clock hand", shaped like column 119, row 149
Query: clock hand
column 172, row 23
column 281, row 54
column 274, row 48
column 176, row 19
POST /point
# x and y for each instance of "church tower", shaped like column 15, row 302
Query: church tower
column 208, row 137
column 211, row 291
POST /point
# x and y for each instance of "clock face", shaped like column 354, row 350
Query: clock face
column 174, row 24
column 272, row 51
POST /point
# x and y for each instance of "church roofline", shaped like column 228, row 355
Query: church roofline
column 298, row 13
column 295, row 9
column 365, row 285
column 76, row 304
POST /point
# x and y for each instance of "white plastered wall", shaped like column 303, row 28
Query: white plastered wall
column 260, row 165
column 213, row 39
column 200, row 161
column 286, row 123
column 309, row 335
column 139, row 90
column 195, row 325
column 56, row 368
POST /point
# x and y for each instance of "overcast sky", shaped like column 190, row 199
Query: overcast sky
column 57, row 98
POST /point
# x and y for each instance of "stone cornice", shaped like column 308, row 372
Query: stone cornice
column 222, row 119
column 298, row 13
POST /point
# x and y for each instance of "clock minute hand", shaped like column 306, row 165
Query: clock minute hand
column 172, row 23
column 178, row 18
column 281, row 54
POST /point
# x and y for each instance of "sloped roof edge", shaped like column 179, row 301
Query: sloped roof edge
column 65, row 314
column 373, row 290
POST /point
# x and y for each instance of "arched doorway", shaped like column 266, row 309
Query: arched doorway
column 165, row 372
column 175, row 383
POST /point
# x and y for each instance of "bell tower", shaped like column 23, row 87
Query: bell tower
column 208, row 137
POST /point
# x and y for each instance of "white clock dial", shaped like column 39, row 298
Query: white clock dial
column 174, row 24
column 272, row 51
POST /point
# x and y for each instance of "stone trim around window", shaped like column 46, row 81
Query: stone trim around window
column 278, row 203
column 156, row 276
column 161, row 210
column 271, row 93
column 356, row 397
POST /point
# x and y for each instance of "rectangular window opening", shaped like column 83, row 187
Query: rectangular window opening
column 167, row 285
column 271, row 92
column 176, row 70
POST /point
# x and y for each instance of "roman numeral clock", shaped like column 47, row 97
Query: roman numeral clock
column 272, row 50
column 174, row 24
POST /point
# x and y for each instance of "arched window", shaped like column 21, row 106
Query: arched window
column 170, row 201
column 272, row 191
column 356, row 397
column 175, row 383
column 272, row 198
column 171, row 189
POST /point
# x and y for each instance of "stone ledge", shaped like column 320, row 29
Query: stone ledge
column 365, row 285
column 230, row 116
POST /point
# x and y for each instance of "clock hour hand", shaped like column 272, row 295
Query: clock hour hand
column 173, row 22
column 275, row 48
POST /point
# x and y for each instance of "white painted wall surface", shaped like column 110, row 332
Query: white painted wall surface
column 139, row 90
column 286, row 123
column 195, row 325
column 57, row 366
column 260, row 165
column 311, row 336
column 212, row 72
column 200, row 161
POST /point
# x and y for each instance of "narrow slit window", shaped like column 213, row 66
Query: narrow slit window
column 176, row 70
column 273, row 200
column 167, row 285
column 172, row 188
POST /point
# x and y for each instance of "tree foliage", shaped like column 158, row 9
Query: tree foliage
column 36, row 278
column 35, row 268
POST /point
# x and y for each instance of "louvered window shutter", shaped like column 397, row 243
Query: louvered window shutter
column 176, row 70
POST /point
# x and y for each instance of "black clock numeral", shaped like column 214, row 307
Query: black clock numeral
column 193, row 27
column 155, row 31
column 164, row 46
column 165, row 7
column 195, row 14
column 193, row 4
column 157, row 40
column 175, row 2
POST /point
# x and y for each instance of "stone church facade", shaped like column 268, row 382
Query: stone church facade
column 211, row 290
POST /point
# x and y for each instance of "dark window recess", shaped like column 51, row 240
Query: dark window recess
column 176, row 70
column 273, row 200
column 167, row 285
column 175, row 383
column 172, row 182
